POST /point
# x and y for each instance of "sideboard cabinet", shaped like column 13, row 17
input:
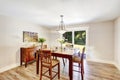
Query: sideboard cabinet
column 27, row 55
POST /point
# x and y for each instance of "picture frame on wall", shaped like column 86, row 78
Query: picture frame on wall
column 30, row 36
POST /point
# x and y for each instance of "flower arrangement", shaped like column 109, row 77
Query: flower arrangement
column 61, row 40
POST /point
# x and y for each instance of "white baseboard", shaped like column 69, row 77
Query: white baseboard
column 118, row 66
column 108, row 62
column 101, row 61
column 8, row 67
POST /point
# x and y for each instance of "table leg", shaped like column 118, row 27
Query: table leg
column 70, row 68
column 37, row 64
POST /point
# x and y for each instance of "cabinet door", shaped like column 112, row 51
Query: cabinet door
column 24, row 55
column 31, row 53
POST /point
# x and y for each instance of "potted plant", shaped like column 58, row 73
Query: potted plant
column 41, row 40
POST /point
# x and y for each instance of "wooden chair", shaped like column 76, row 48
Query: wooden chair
column 77, row 58
column 63, row 59
column 49, row 63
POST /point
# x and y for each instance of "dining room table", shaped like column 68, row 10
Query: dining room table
column 62, row 53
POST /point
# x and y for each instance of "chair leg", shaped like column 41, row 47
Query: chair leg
column 58, row 70
column 41, row 74
column 79, row 65
column 82, row 76
column 25, row 64
column 63, row 61
column 50, row 73
column 82, row 68
column 82, row 72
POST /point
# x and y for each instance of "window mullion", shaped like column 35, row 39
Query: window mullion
column 73, row 37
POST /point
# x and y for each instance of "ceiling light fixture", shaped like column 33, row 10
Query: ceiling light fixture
column 61, row 29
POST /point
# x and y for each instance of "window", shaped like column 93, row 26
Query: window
column 68, row 37
column 78, row 37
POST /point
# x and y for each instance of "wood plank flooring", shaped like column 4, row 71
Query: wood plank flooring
column 93, row 71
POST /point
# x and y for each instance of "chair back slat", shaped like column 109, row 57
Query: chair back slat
column 46, row 56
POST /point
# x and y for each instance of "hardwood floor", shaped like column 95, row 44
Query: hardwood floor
column 100, row 71
column 93, row 71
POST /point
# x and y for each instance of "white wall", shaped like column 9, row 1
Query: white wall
column 117, row 42
column 11, row 39
column 101, row 42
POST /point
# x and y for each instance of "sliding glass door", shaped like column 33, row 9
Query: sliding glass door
column 76, row 38
column 80, row 37
column 68, row 37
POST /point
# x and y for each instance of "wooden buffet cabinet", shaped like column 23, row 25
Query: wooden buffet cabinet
column 27, row 55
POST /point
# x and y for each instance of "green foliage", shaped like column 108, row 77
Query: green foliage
column 80, row 37
column 41, row 40
column 68, row 36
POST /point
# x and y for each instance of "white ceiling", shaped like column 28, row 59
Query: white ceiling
column 47, row 12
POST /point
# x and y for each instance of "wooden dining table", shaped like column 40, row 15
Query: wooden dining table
column 63, row 54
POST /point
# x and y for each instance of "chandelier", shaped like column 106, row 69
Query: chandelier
column 61, row 29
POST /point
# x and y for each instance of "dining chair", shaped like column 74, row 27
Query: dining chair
column 63, row 59
column 79, row 58
column 47, row 65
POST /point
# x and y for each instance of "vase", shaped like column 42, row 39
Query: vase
column 61, row 47
column 41, row 46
